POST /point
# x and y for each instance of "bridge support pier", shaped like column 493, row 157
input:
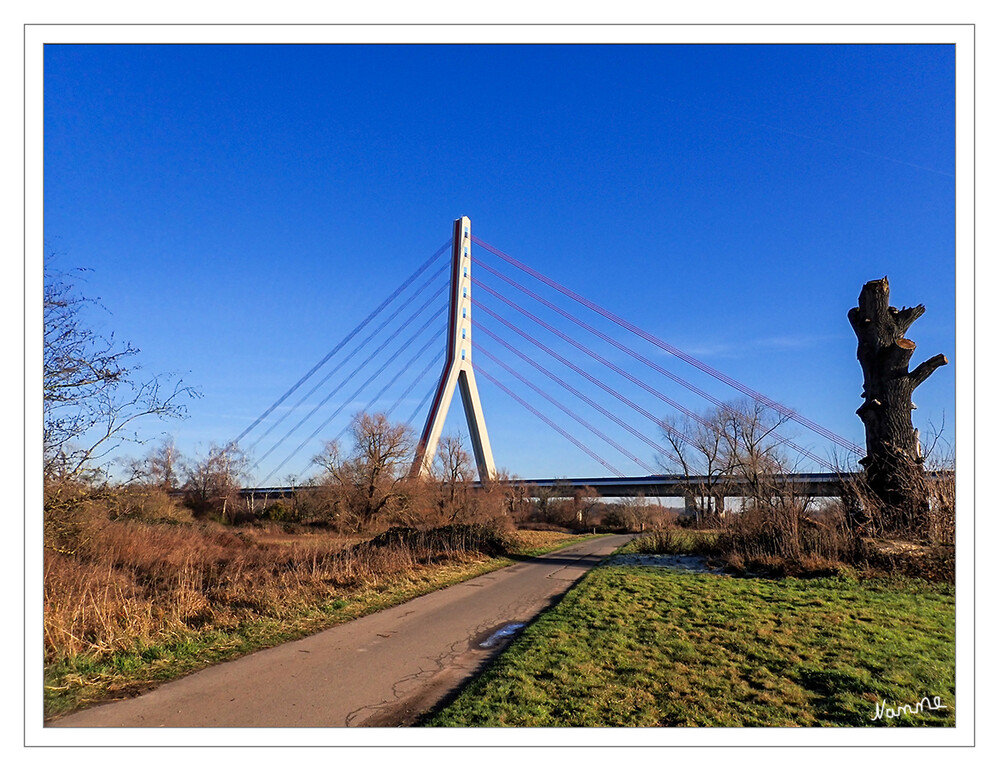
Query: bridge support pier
column 694, row 505
column 690, row 507
column 458, row 370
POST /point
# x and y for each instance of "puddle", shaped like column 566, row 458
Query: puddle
column 500, row 635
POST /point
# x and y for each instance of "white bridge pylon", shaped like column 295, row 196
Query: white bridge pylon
column 458, row 369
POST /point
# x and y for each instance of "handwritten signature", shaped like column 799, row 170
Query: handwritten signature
column 882, row 710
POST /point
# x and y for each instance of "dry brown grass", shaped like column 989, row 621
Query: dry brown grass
column 530, row 540
column 132, row 584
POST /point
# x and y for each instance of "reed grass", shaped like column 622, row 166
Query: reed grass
column 141, row 603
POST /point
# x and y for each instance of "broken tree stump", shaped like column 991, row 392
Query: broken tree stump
column 893, row 463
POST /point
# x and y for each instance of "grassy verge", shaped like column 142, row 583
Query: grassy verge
column 650, row 647
column 79, row 679
column 674, row 541
column 534, row 543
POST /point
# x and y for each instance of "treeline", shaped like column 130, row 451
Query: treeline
column 361, row 487
column 775, row 527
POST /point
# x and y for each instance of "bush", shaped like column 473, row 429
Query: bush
column 934, row 525
column 146, row 503
column 677, row 541
column 446, row 539
column 783, row 543
column 73, row 514
column 758, row 542
column 620, row 518
column 934, row 563
column 281, row 512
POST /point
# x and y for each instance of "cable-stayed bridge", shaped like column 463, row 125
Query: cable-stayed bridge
column 609, row 390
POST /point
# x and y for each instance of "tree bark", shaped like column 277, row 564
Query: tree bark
column 894, row 457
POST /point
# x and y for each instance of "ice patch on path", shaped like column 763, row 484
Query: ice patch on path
column 687, row 563
column 507, row 631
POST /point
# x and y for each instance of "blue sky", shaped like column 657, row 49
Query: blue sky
column 242, row 208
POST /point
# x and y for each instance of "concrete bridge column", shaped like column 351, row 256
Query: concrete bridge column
column 720, row 505
column 690, row 507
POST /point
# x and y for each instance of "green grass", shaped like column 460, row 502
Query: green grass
column 673, row 541
column 650, row 647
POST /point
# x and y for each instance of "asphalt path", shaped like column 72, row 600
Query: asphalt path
column 386, row 669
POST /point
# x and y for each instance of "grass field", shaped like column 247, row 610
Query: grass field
column 650, row 647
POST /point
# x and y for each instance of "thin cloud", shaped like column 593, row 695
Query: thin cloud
column 738, row 349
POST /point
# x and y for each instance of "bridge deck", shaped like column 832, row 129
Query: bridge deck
column 809, row 484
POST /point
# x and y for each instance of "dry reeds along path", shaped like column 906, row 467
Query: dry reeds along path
column 382, row 670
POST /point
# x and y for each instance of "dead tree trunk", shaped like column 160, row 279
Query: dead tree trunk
column 894, row 457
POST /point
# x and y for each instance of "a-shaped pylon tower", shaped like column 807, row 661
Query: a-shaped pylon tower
column 458, row 366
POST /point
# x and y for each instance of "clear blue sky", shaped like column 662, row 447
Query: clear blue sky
column 242, row 208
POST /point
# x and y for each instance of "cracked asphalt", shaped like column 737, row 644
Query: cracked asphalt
column 386, row 669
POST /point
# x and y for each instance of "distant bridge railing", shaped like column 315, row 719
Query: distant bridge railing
column 818, row 485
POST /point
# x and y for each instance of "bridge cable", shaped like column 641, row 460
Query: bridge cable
column 551, row 375
column 786, row 411
column 659, row 395
column 444, row 248
column 364, row 385
column 388, row 320
column 422, row 404
column 547, row 420
column 631, row 352
column 613, row 392
column 349, row 377
column 583, row 373
column 606, row 338
column 381, row 393
column 593, row 429
column 648, row 362
column 411, row 386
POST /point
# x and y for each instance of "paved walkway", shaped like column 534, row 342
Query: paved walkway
column 386, row 669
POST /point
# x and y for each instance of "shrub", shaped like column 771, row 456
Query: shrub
column 677, row 541
column 146, row 503
column 933, row 525
column 783, row 543
column 279, row 511
column 934, row 563
column 73, row 513
column 446, row 539
column 620, row 518
column 754, row 542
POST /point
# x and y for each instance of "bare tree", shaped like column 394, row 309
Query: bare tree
column 161, row 467
column 92, row 392
column 629, row 514
column 517, row 497
column 704, row 459
column 753, row 450
column 329, row 460
column 894, row 458
column 549, row 502
column 452, row 479
column 333, row 497
column 757, row 455
column 213, row 484
column 736, row 450
column 585, row 501
column 372, row 478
